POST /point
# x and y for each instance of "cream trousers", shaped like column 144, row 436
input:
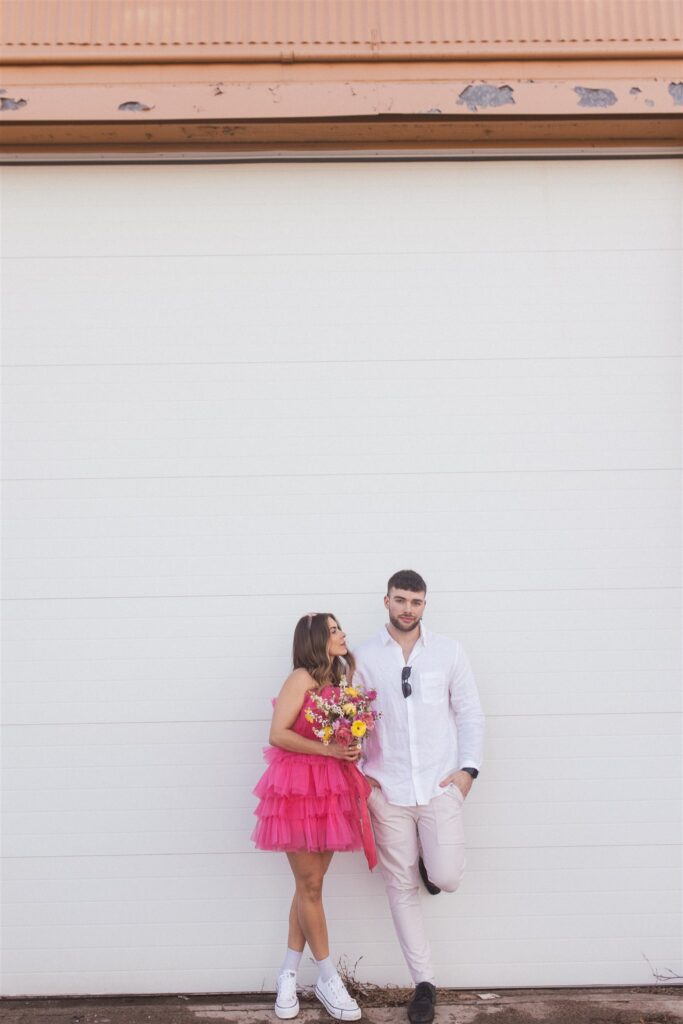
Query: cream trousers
column 437, row 830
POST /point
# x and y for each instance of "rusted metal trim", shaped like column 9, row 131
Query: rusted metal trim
column 629, row 102
column 359, row 134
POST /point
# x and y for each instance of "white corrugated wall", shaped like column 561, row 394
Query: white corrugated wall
column 234, row 394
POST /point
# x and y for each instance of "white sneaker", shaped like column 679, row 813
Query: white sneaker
column 336, row 1000
column 286, row 1001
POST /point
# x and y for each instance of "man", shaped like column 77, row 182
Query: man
column 421, row 760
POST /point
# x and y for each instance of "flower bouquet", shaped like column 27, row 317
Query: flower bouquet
column 342, row 714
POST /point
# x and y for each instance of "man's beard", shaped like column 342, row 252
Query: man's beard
column 403, row 627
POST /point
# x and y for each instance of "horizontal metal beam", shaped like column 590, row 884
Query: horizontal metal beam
column 620, row 102
column 145, row 155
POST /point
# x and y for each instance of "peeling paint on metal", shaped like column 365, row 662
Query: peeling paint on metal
column 634, row 91
column 676, row 91
column 476, row 97
column 134, row 106
column 7, row 103
column 649, row 103
column 595, row 97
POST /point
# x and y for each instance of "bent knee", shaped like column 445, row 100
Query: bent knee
column 448, row 881
column 448, row 884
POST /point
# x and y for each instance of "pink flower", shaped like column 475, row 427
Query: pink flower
column 371, row 694
column 343, row 735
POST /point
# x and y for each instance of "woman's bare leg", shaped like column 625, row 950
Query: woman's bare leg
column 295, row 936
column 309, row 870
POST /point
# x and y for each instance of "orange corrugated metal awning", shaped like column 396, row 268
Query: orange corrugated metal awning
column 340, row 30
column 241, row 75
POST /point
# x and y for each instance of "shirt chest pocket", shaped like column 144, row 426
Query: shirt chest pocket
column 432, row 687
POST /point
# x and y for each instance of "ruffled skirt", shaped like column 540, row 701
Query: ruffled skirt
column 311, row 802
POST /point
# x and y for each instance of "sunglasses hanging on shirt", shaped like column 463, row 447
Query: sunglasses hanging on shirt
column 405, row 676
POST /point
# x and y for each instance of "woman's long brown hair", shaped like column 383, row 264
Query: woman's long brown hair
column 309, row 651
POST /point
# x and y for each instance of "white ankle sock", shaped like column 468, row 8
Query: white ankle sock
column 326, row 968
column 291, row 961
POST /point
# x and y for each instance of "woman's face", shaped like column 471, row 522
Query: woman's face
column 336, row 643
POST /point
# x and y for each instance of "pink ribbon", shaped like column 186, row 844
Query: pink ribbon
column 361, row 790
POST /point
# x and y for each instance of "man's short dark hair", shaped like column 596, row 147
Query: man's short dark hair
column 406, row 579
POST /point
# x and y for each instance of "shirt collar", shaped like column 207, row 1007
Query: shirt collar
column 387, row 638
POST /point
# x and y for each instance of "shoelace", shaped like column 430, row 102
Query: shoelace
column 338, row 989
column 286, row 984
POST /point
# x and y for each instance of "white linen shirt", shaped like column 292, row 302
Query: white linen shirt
column 439, row 728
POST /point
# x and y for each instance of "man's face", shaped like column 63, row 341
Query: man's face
column 406, row 608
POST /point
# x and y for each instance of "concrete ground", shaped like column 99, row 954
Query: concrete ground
column 655, row 1005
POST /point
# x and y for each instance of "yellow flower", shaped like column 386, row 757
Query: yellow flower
column 349, row 710
column 327, row 732
column 350, row 692
column 308, row 715
column 359, row 728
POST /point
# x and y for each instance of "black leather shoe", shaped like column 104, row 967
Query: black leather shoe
column 421, row 1006
column 432, row 889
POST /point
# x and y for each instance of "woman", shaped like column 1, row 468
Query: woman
column 312, row 803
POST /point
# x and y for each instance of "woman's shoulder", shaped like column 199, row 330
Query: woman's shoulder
column 294, row 692
column 301, row 680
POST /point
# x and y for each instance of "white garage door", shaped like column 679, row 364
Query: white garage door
column 237, row 393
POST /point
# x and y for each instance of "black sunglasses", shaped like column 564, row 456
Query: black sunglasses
column 405, row 676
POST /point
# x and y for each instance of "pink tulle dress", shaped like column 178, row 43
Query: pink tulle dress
column 312, row 802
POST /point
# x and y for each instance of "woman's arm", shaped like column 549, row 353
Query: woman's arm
column 287, row 707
